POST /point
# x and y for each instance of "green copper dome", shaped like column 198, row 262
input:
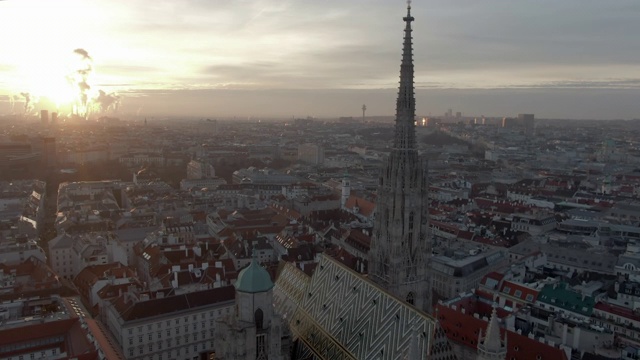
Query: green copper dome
column 254, row 279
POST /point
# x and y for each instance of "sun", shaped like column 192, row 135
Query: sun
column 51, row 80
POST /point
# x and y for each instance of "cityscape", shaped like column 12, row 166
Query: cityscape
column 366, row 231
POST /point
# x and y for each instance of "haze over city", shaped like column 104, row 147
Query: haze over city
column 319, row 180
column 569, row 59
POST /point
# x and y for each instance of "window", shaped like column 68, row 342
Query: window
column 506, row 289
column 258, row 318
column 518, row 293
column 410, row 298
column 529, row 297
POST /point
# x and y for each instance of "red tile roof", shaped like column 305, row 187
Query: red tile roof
column 617, row 310
column 511, row 288
column 464, row 329
column 366, row 207
column 166, row 305
column 110, row 349
column 74, row 341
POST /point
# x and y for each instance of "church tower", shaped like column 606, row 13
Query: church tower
column 401, row 243
column 254, row 331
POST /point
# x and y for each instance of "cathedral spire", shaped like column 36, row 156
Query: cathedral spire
column 401, row 243
column 491, row 347
column 406, row 102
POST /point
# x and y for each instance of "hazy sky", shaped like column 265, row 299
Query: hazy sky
column 569, row 58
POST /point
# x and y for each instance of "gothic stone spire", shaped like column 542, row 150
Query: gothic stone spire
column 405, row 135
column 401, row 245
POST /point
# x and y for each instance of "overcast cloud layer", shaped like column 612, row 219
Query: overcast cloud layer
column 570, row 58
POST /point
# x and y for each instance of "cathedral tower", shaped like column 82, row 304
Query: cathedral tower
column 401, row 243
column 254, row 331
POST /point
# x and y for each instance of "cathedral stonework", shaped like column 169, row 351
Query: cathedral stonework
column 401, row 243
column 254, row 331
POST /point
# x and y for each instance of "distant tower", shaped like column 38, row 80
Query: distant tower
column 44, row 117
column 528, row 122
column 54, row 118
column 400, row 255
column 491, row 346
column 48, row 156
column 364, row 109
column 346, row 190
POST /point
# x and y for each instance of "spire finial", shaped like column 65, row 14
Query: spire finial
column 408, row 18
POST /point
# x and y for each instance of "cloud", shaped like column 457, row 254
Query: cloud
column 269, row 44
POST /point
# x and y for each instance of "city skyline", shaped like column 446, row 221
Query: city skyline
column 283, row 59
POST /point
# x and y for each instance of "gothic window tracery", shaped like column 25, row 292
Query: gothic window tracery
column 411, row 298
column 259, row 319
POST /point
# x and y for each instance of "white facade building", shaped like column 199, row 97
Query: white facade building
column 173, row 327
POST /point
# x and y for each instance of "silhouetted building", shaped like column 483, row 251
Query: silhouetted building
column 311, row 154
column 44, row 117
column 528, row 122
